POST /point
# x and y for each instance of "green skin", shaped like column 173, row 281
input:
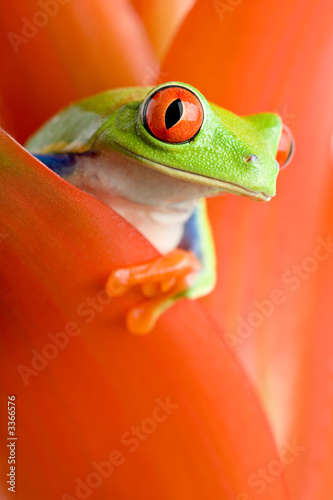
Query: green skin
column 156, row 185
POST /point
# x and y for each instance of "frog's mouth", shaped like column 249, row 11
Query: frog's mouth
column 223, row 186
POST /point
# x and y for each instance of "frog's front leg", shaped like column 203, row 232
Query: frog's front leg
column 198, row 239
column 188, row 271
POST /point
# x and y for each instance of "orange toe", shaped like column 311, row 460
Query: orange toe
column 164, row 270
column 141, row 319
column 161, row 279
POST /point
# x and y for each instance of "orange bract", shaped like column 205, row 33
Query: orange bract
column 82, row 49
column 174, row 404
column 257, row 56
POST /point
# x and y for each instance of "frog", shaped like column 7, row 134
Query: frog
column 154, row 155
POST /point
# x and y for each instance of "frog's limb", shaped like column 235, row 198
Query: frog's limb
column 185, row 272
column 198, row 238
column 162, row 281
column 61, row 164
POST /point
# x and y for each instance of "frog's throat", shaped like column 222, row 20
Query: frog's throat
column 224, row 186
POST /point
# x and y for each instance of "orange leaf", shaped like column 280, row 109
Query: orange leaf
column 257, row 56
column 168, row 415
column 162, row 19
column 57, row 51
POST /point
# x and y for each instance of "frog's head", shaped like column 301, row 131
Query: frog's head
column 174, row 130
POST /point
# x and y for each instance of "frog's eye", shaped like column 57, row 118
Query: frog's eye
column 172, row 114
column 286, row 147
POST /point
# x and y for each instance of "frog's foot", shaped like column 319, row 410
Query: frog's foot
column 161, row 280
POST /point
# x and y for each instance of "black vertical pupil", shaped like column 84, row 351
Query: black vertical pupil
column 173, row 114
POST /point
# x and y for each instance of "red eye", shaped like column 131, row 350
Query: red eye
column 173, row 114
column 286, row 147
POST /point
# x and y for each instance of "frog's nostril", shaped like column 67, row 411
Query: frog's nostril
column 250, row 158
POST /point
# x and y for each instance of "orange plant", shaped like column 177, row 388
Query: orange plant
column 230, row 397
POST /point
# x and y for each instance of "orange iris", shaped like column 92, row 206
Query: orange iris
column 173, row 114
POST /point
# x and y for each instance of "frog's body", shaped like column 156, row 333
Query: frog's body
column 156, row 204
column 153, row 158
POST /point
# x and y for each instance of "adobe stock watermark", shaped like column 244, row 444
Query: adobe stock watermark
column 223, row 7
column 154, row 76
column 286, row 117
column 57, row 342
column 292, row 279
column 30, row 27
column 129, row 441
column 264, row 476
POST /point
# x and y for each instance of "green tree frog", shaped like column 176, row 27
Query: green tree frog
column 154, row 155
